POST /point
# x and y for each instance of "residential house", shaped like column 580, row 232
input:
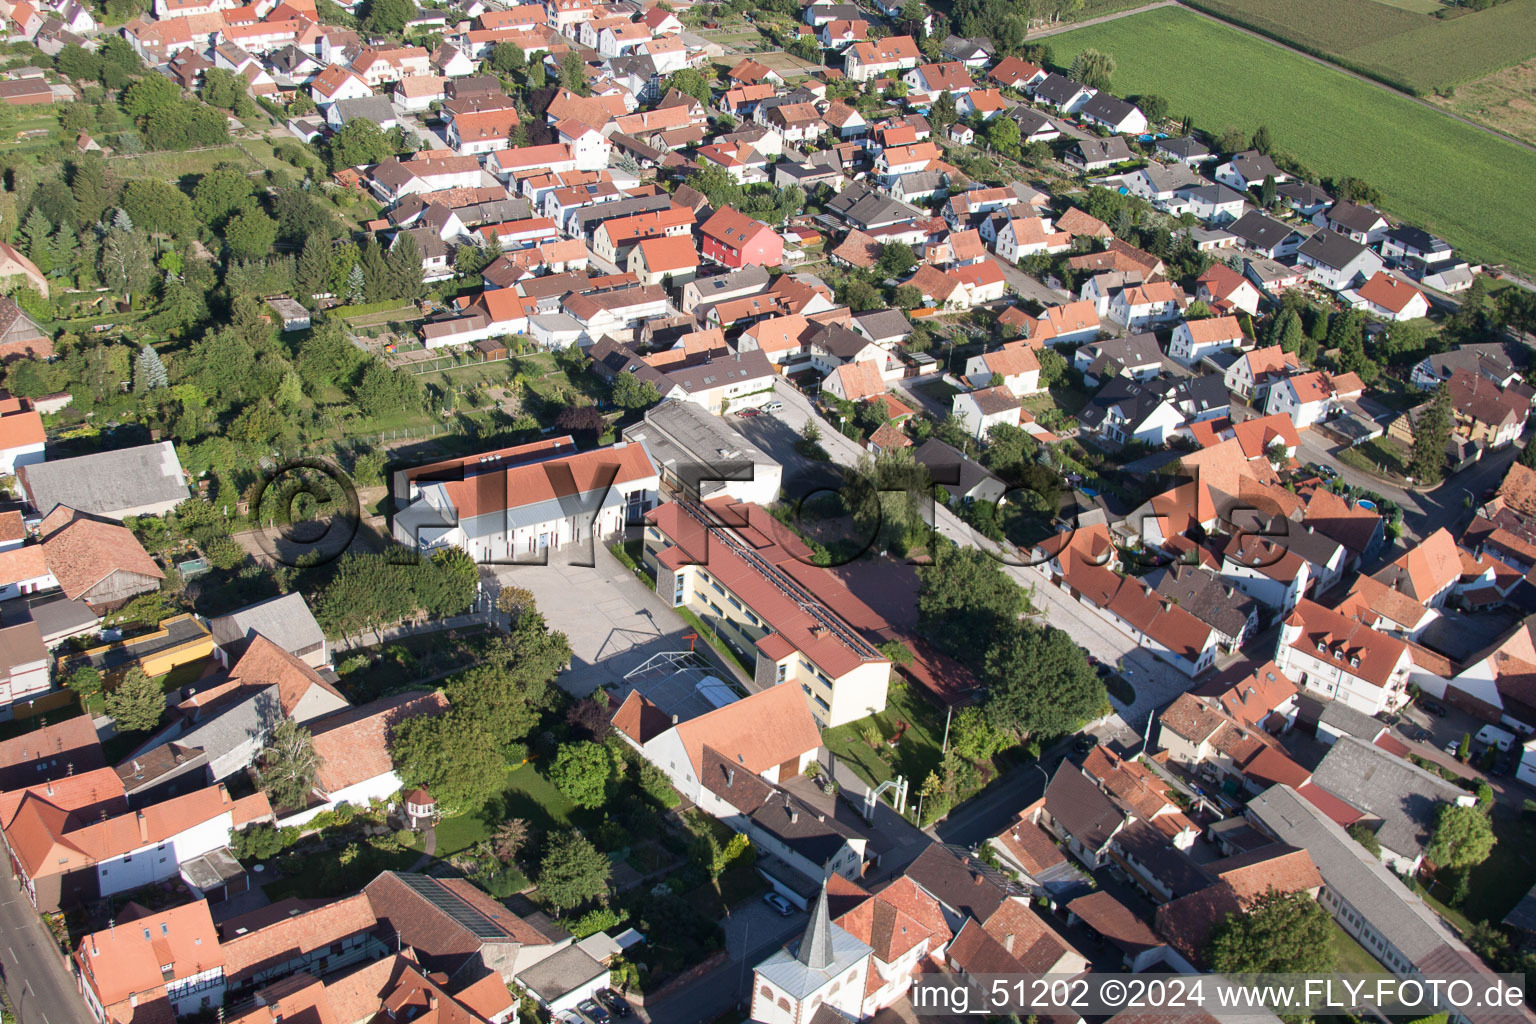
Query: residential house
column 735, row 240
column 979, row 411
column 876, row 58
column 1116, row 115
column 1089, row 155
column 664, row 260
column 1072, row 323
column 729, row 380
column 1225, row 290
column 1262, row 234
column 1342, row 659
column 1015, row 363
column 1193, row 340
column 1248, row 170
column 1335, row 261
column 1062, row 93
column 1310, row 398
column 1140, row 307
column 1391, row 298
column 1356, row 221
column 770, row 734
column 1136, row 356
column 963, row 478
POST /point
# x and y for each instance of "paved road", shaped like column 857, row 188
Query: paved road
column 1424, row 511
column 1068, row 26
column 40, row 987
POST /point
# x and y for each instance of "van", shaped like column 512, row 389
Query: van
column 1493, row 736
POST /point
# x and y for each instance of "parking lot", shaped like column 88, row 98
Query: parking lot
column 613, row 620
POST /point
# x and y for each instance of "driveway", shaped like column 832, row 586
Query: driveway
column 751, row 933
column 613, row 620
column 1030, row 287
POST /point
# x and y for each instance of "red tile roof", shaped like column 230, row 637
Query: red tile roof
column 354, row 745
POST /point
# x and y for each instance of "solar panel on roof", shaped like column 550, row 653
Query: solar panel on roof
column 449, row 903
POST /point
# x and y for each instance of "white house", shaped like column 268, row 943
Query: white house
column 979, row 411
column 1145, row 306
column 1015, row 362
column 353, row 745
column 1193, row 340
column 1309, row 398
column 1336, row 261
column 1342, row 659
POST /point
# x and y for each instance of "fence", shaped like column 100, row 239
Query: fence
column 372, row 638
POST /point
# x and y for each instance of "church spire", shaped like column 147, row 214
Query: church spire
column 816, row 944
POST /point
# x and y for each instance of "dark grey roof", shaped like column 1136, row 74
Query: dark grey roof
column 1171, row 177
column 1346, row 719
column 884, row 324
column 1082, row 808
column 107, row 482
column 1303, row 193
column 1207, row 598
column 967, row 887
column 1184, row 147
column 1197, row 397
column 1354, row 216
column 1107, row 108
column 719, row 372
column 554, row 976
column 1404, row 796
column 1331, row 249
column 863, row 207
column 1212, row 192
column 1136, row 400
column 1131, row 350
column 1523, row 916
column 1058, row 90
column 1254, row 166
column 586, row 219
column 836, row 340
column 1114, row 149
column 1410, row 237
column 963, row 48
column 944, row 462
column 1029, row 119
column 1151, row 849
column 679, row 434
column 1259, row 231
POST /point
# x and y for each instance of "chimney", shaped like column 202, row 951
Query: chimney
column 1008, row 942
column 223, row 794
column 794, row 815
column 50, row 787
column 674, row 719
column 431, row 1000
column 730, row 777
column 978, row 878
column 143, row 826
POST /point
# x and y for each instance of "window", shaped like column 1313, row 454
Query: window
column 753, row 619
column 717, row 587
column 735, row 603
column 781, row 674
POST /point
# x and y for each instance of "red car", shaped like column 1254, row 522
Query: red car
column 748, row 413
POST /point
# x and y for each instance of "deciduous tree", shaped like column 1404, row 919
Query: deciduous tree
column 584, row 771
column 1463, row 838
column 1281, row 933
column 289, row 765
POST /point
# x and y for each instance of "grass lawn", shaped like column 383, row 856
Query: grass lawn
column 1351, row 957
column 916, row 755
column 527, row 795
column 173, row 166
column 1384, row 456
column 1448, row 177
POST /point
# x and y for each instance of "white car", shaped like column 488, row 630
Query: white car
column 773, row 407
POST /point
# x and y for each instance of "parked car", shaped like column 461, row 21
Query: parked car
column 773, row 407
column 778, row 903
column 1452, row 747
column 1084, row 743
column 749, row 413
column 1433, row 707
column 594, row 1013
column 615, row 1003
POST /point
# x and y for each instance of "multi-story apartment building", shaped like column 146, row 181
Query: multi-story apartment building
column 1342, row 659
column 751, row 580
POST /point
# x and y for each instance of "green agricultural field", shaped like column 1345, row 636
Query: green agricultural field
column 1453, row 179
column 1399, row 42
